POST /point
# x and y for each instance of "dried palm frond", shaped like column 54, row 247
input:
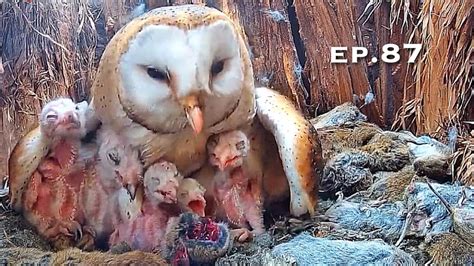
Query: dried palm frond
column 408, row 115
column 443, row 78
column 463, row 158
column 399, row 8
column 444, row 75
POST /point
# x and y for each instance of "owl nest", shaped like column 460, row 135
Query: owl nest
column 385, row 197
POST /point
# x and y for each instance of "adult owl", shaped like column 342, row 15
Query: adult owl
column 176, row 75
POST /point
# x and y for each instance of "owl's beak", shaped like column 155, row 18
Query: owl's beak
column 193, row 113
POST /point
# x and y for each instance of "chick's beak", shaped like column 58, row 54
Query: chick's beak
column 193, row 113
column 202, row 199
column 172, row 196
column 70, row 118
column 221, row 164
column 224, row 163
column 131, row 190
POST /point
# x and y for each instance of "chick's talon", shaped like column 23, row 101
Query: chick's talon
column 87, row 241
column 242, row 235
column 71, row 229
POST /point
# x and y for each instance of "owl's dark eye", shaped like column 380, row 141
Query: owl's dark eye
column 157, row 74
column 217, row 67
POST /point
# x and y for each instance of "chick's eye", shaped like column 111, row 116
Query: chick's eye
column 217, row 67
column 157, row 74
column 51, row 116
column 184, row 194
column 240, row 145
column 114, row 158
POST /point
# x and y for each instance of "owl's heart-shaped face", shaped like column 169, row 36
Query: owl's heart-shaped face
column 169, row 75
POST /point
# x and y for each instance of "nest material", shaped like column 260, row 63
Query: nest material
column 74, row 256
column 449, row 248
column 305, row 249
column 58, row 41
column 443, row 98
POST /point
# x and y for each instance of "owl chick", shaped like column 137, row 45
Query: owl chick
column 62, row 124
column 232, row 187
column 51, row 196
column 191, row 196
column 161, row 183
column 114, row 178
column 145, row 232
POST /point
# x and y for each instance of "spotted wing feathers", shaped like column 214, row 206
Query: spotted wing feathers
column 298, row 147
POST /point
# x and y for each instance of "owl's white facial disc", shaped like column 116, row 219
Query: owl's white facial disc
column 164, row 65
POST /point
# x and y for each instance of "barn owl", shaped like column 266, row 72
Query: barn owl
column 176, row 75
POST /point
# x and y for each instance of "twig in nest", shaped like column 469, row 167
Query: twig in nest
column 7, row 238
column 405, row 228
column 340, row 196
column 463, row 197
column 443, row 201
column 283, row 238
column 359, row 193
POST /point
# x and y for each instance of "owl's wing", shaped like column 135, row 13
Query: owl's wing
column 23, row 161
column 298, row 146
